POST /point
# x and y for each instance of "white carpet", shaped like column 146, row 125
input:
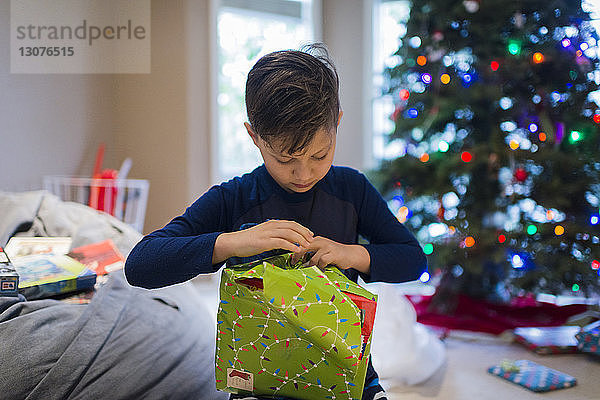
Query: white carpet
column 465, row 376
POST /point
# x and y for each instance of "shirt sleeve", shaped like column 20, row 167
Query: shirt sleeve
column 396, row 255
column 183, row 248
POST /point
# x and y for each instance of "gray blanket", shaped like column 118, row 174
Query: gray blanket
column 128, row 343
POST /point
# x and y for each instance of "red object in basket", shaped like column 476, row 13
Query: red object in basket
column 107, row 193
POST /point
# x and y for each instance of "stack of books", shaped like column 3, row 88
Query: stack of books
column 47, row 266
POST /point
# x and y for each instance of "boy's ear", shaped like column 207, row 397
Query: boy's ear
column 340, row 117
column 252, row 134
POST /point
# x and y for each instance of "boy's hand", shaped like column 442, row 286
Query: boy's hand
column 269, row 235
column 344, row 256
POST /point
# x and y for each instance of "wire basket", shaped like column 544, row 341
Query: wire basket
column 123, row 198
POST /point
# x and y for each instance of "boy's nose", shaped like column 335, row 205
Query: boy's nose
column 302, row 172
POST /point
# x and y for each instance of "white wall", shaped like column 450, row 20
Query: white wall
column 52, row 124
column 347, row 33
column 49, row 124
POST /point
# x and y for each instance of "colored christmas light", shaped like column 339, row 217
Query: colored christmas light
column 531, row 230
column 584, row 46
column 533, row 128
column 573, row 75
column 428, row 249
column 413, row 113
column 594, row 219
column 542, row 136
column 505, row 103
column 538, row 58
column 443, row 146
column 469, row 241
column 501, row 238
column 513, row 144
column 565, row 42
column 559, row 230
column 445, row 79
column 579, row 53
column 574, row 136
column 404, row 94
column 595, row 264
column 514, row 47
column 415, row 42
column 421, row 60
column 517, row 261
column 549, row 215
column 575, row 287
column 426, row 78
column 403, row 214
column 466, row 156
column 424, row 277
column 494, row 65
column 424, row 157
column 597, row 118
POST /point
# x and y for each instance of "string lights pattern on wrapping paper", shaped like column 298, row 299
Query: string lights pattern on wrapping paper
column 286, row 326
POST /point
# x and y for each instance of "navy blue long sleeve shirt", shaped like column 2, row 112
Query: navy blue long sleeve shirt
column 341, row 206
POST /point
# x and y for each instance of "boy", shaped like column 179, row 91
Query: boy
column 296, row 201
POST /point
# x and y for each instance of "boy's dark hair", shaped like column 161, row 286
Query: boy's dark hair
column 291, row 94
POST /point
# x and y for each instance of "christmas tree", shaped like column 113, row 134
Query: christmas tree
column 499, row 172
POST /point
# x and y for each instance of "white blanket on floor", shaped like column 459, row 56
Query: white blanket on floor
column 403, row 351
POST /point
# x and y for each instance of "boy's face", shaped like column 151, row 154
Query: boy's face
column 298, row 172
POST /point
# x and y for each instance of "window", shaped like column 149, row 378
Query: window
column 390, row 19
column 246, row 30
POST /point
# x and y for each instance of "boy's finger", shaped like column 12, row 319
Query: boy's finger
column 314, row 259
column 279, row 243
column 297, row 256
column 293, row 237
column 295, row 226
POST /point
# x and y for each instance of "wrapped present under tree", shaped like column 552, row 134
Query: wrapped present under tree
column 588, row 339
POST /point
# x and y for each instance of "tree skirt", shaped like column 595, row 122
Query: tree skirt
column 481, row 316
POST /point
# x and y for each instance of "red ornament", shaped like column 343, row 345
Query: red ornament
column 597, row 118
column 520, row 175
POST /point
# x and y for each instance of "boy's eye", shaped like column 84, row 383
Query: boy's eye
column 285, row 161
column 320, row 158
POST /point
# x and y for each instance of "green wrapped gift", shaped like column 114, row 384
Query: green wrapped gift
column 287, row 330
